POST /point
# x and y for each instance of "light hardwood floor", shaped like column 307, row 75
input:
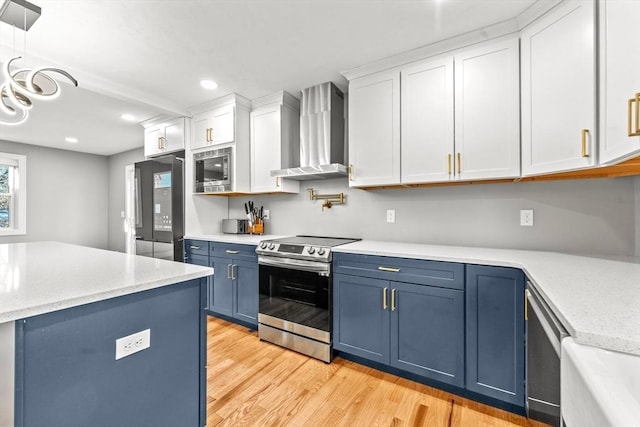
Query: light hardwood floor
column 253, row 383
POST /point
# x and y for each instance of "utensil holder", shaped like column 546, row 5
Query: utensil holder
column 257, row 228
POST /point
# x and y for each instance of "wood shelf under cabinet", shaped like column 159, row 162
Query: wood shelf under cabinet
column 630, row 167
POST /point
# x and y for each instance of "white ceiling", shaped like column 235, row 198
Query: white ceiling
column 147, row 57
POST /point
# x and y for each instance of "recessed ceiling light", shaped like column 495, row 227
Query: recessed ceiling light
column 128, row 117
column 208, row 84
column 71, row 139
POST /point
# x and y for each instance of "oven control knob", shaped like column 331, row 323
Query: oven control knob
column 263, row 245
column 272, row 246
column 321, row 251
column 311, row 250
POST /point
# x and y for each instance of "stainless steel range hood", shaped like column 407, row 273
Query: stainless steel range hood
column 323, row 152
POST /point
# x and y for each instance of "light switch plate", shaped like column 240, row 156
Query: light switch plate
column 391, row 215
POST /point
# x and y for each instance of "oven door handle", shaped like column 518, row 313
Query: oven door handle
column 323, row 269
column 554, row 331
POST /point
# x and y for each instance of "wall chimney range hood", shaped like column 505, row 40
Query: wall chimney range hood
column 322, row 149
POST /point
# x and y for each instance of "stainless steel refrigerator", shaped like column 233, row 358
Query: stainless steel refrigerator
column 159, row 207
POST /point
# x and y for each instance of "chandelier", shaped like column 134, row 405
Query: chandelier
column 22, row 85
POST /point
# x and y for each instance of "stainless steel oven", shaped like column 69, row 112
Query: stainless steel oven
column 212, row 170
column 295, row 281
column 544, row 335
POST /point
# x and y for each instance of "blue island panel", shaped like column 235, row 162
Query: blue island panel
column 67, row 375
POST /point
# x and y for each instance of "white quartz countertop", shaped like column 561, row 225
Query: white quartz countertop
column 41, row 277
column 596, row 299
column 245, row 239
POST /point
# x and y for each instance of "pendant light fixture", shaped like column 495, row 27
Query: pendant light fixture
column 20, row 85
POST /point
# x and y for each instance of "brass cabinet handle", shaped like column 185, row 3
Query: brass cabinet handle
column 384, row 298
column 159, row 143
column 393, row 300
column 229, row 271
column 526, row 304
column 231, row 252
column 195, row 247
column 277, row 181
column 233, row 273
column 449, row 163
column 350, row 172
column 584, row 140
column 459, row 163
column 163, row 140
column 634, row 131
column 389, row 269
column 207, row 135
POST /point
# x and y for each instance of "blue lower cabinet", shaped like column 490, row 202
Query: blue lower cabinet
column 427, row 331
column 360, row 320
column 495, row 333
column 416, row 328
column 245, row 276
column 221, row 301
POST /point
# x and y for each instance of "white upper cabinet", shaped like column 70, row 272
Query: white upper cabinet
column 487, row 120
column 558, row 90
column 619, row 80
column 374, row 130
column 275, row 142
column 165, row 138
column 213, row 127
column 427, row 121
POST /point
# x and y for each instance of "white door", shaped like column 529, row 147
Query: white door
column 427, row 121
column 558, row 90
column 223, row 125
column 374, row 130
column 129, row 221
column 152, row 141
column 619, row 80
column 200, row 135
column 487, row 142
column 174, row 135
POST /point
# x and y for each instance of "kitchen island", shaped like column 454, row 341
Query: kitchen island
column 62, row 308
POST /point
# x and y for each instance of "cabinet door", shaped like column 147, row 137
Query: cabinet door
column 427, row 331
column 487, row 115
column 427, row 121
column 558, row 90
column 222, row 301
column 152, row 141
column 361, row 317
column 200, row 136
column 619, row 80
column 495, row 337
column 174, row 133
column 374, row 130
column 266, row 138
column 245, row 305
column 223, row 125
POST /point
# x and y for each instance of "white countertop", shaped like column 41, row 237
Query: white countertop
column 41, row 277
column 596, row 299
column 245, row 239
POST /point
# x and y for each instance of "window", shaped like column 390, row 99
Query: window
column 13, row 194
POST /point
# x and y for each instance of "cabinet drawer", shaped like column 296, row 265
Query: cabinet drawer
column 197, row 260
column 196, row 247
column 423, row 272
column 235, row 251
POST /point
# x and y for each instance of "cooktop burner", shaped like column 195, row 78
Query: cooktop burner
column 312, row 248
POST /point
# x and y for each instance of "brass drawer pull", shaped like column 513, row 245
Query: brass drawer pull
column 459, row 163
column 389, row 269
column 384, row 298
column 449, row 163
column 584, row 140
column 393, row 300
column 634, row 131
column 231, row 252
column 195, row 248
column 350, row 172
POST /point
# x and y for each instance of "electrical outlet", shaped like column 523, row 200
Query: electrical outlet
column 265, row 215
column 391, row 215
column 126, row 346
column 526, row 217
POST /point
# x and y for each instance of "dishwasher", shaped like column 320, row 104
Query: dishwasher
column 544, row 335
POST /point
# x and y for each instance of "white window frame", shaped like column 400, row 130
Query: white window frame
column 19, row 194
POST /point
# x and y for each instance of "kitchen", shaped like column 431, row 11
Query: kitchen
column 589, row 216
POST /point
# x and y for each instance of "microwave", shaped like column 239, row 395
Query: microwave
column 212, row 170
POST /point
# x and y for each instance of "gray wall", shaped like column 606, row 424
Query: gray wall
column 66, row 195
column 592, row 216
column 117, row 164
